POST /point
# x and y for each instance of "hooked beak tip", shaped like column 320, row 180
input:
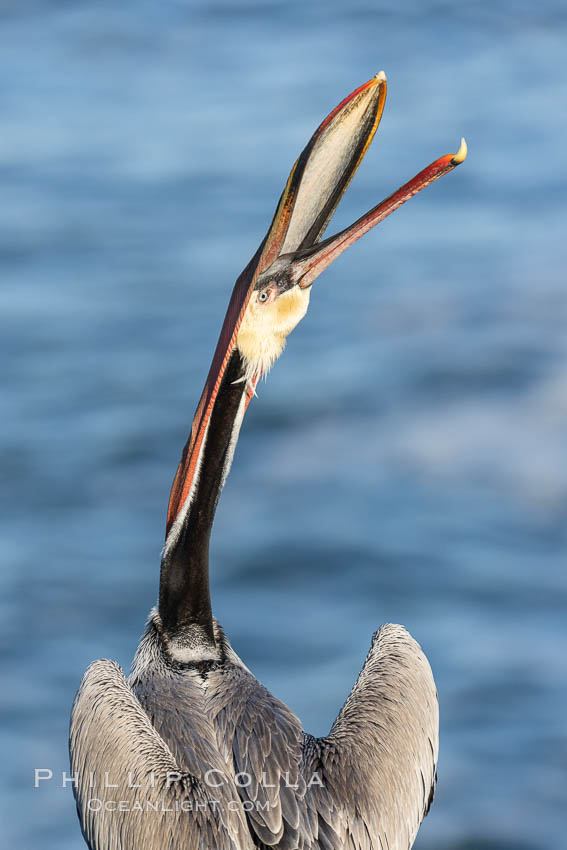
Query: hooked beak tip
column 461, row 154
column 380, row 77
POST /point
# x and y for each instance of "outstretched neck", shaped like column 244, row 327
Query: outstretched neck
column 184, row 593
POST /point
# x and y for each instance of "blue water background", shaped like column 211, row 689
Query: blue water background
column 406, row 460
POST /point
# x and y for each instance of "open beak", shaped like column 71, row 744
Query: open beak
column 307, row 264
column 315, row 186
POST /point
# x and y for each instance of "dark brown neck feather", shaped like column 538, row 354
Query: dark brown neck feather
column 184, row 594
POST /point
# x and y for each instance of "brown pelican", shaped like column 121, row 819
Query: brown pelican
column 191, row 751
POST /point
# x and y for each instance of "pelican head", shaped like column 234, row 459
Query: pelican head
column 276, row 306
column 279, row 295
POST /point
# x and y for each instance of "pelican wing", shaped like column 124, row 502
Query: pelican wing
column 264, row 738
column 377, row 766
column 131, row 791
column 365, row 786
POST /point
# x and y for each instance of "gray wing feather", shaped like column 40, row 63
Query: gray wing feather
column 375, row 771
column 365, row 786
column 265, row 739
column 378, row 763
column 112, row 741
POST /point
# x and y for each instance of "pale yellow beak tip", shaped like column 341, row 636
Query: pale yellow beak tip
column 461, row 154
column 380, row 77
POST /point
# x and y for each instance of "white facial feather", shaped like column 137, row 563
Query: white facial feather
column 262, row 334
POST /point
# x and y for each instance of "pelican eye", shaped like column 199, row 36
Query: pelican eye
column 264, row 296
